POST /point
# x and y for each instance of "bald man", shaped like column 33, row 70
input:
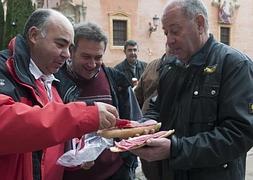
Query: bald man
column 34, row 121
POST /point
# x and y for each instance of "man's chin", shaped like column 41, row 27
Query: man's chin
column 55, row 70
column 131, row 61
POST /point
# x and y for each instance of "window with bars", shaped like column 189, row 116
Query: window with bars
column 225, row 35
column 119, row 32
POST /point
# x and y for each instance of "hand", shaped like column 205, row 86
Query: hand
column 87, row 165
column 134, row 81
column 107, row 115
column 155, row 150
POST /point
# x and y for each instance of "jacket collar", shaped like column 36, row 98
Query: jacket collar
column 199, row 58
column 36, row 72
column 137, row 63
column 21, row 59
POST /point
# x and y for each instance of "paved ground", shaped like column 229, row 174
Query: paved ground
column 139, row 174
column 249, row 168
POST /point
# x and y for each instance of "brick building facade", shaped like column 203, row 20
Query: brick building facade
column 131, row 19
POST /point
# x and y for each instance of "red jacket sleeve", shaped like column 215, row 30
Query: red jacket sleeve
column 24, row 128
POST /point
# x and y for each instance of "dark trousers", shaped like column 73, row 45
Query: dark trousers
column 124, row 173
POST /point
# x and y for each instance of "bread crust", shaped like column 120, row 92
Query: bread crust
column 125, row 133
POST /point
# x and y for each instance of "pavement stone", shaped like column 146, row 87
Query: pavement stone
column 249, row 165
column 139, row 173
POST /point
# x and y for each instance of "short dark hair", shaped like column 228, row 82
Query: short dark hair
column 39, row 19
column 130, row 43
column 89, row 31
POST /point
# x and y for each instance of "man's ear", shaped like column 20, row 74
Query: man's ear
column 200, row 20
column 33, row 34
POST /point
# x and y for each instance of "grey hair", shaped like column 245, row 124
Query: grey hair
column 192, row 8
column 39, row 18
column 89, row 31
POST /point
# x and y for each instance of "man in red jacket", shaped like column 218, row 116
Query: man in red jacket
column 34, row 122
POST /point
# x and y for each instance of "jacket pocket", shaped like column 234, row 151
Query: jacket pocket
column 233, row 170
column 204, row 108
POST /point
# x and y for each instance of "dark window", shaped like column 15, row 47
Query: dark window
column 225, row 35
column 119, row 32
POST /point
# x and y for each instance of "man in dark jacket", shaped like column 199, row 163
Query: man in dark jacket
column 207, row 98
column 35, row 122
column 131, row 66
column 146, row 92
column 86, row 78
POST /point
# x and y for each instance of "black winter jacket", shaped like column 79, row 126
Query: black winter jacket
column 209, row 103
column 124, row 68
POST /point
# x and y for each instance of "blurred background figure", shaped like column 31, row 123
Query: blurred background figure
column 146, row 93
column 132, row 67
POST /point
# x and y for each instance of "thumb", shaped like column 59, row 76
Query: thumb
column 157, row 141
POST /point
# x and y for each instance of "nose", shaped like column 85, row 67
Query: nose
column 170, row 39
column 65, row 53
column 91, row 63
column 134, row 51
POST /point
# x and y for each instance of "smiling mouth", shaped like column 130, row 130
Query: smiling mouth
column 89, row 72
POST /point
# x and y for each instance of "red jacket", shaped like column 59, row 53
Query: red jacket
column 30, row 123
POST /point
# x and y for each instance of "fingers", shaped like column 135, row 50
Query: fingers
column 107, row 115
column 112, row 110
column 111, row 118
column 156, row 149
column 158, row 142
column 104, row 124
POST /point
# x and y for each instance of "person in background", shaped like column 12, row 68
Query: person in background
column 146, row 93
column 148, row 82
column 86, row 78
column 207, row 99
column 131, row 66
column 34, row 121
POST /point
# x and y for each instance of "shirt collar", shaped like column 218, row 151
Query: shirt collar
column 36, row 72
